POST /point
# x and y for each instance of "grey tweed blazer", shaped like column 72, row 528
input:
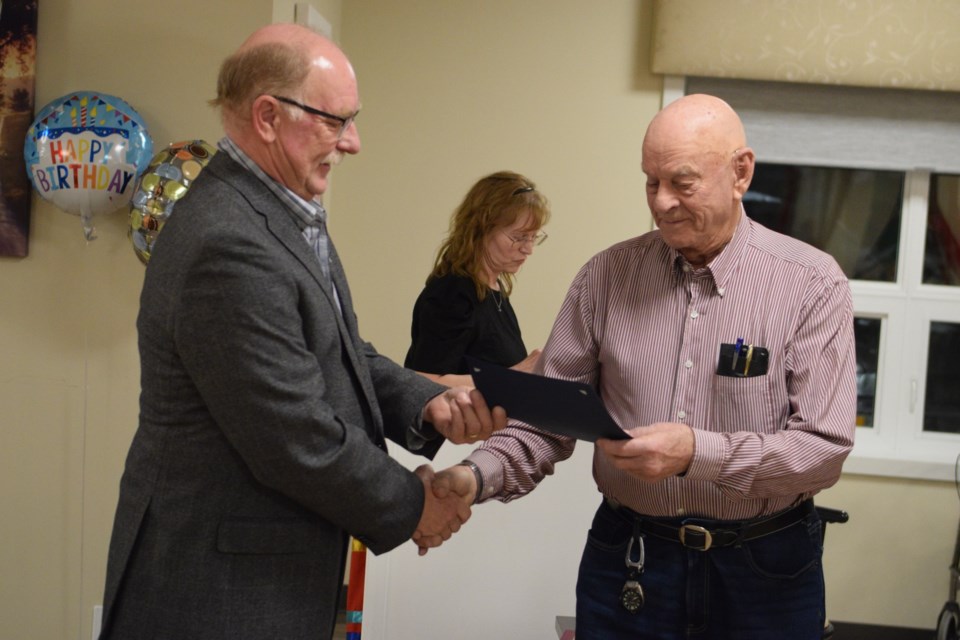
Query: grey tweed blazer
column 261, row 439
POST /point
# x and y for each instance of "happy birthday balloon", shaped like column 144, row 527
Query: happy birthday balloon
column 166, row 180
column 84, row 151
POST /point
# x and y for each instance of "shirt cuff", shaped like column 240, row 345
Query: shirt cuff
column 420, row 433
column 491, row 473
column 709, row 451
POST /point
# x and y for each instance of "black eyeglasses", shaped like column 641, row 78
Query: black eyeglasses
column 344, row 123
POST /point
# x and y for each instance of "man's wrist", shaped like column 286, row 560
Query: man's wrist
column 470, row 464
column 423, row 428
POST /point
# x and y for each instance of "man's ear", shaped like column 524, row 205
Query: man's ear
column 743, row 171
column 265, row 118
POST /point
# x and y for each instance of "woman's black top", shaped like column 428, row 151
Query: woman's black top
column 449, row 322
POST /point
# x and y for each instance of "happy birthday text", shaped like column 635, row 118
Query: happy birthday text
column 81, row 166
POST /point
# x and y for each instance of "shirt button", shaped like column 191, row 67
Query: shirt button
column 694, row 314
column 688, row 364
column 681, row 414
column 720, row 291
column 680, row 511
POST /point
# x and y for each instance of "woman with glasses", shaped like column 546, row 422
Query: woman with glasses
column 464, row 309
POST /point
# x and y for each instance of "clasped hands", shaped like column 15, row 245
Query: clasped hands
column 462, row 416
column 446, row 504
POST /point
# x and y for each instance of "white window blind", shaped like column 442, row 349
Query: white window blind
column 830, row 125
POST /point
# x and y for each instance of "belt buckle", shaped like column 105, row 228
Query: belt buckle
column 698, row 532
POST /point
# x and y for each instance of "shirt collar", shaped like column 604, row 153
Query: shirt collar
column 306, row 213
column 724, row 265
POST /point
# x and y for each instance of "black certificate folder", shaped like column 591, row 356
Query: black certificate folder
column 560, row 406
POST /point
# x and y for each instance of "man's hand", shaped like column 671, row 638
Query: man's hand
column 654, row 452
column 461, row 415
column 442, row 516
column 458, row 480
column 456, row 483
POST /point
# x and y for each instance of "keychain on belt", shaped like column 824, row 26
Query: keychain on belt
column 631, row 597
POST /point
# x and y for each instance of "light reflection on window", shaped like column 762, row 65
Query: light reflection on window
column 867, row 333
column 852, row 214
column 942, row 400
column 941, row 259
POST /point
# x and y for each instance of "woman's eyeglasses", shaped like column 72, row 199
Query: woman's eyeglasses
column 535, row 239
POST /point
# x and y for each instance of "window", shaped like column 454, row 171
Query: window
column 853, row 214
column 869, row 177
column 857, row 215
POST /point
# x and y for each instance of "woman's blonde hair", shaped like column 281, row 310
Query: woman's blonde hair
column 494, row 202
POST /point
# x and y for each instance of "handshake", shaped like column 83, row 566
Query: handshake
column 446, row 505
column 462, row 416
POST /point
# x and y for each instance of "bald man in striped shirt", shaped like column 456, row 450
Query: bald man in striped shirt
column 727, row 352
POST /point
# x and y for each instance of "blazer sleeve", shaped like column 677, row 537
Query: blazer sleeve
column 395, row 385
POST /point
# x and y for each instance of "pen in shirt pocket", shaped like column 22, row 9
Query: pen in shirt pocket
column 746, row 366
column 736, row 354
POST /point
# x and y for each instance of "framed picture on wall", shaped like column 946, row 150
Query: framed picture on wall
column 18, row 52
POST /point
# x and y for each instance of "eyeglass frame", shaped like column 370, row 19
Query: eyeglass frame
column 345, row 122
column 536, row 239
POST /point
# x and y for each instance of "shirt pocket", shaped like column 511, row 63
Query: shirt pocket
column 741, row 404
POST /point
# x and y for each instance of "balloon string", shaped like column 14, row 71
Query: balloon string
column 86, row 219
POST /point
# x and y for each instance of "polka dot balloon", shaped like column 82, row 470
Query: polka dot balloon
column 166, row 180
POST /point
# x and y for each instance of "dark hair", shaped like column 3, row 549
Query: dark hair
column 494, row 202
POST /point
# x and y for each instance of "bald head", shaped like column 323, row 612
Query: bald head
column 277, row 60
column 318, row 51
column 698, row 167
column 704, row 119
column 292, row 34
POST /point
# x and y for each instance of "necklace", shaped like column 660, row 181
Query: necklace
column 498, row 299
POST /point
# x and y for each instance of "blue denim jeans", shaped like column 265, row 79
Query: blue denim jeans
column 769, row 588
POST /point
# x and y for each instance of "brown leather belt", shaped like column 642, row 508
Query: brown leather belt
column 718, row 534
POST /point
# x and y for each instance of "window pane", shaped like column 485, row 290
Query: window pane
column 852, row 214
column 942, row 405
column 867, row 332
column 941, row 260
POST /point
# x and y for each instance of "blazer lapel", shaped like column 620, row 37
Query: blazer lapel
column 280, row 224
column 339, row 277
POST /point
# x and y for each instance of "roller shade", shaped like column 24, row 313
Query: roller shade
column 844, row 126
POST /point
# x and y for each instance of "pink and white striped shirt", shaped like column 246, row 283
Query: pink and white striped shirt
column 645, row 329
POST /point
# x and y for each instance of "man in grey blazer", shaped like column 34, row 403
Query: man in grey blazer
column 263, row 415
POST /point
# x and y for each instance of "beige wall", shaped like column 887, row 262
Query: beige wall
column 555, row 89
column 879, row 569
column 452, row 91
